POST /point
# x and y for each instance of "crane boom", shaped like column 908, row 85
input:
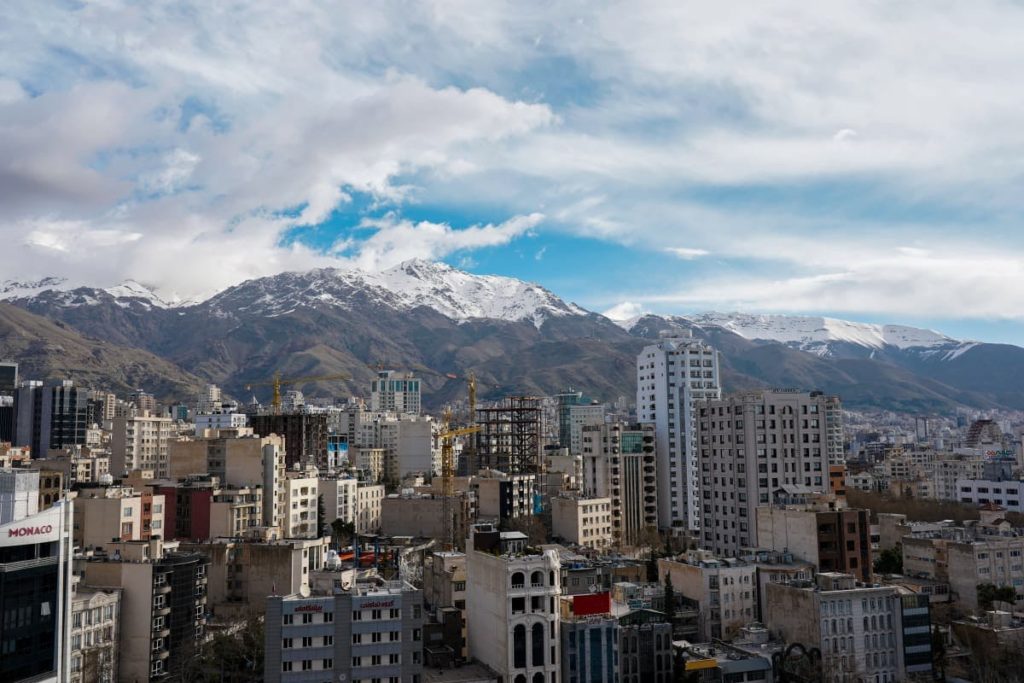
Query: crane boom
column 276, row 382
column 447, row 472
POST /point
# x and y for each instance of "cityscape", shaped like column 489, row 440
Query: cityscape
column 498, row 341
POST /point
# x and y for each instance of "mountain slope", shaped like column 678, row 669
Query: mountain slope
column 52, row 350
column 517, row 337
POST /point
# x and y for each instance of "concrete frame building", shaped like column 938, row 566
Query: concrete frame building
column 833, row 540
column 619, row 463
column 141, row 442
column 751, row 445
column 582, row 521
column 672, row 377
column 725, row 591
column 106, row 515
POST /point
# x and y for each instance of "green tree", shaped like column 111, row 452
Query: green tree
column 343, row 532
column 890, row 561
column 321, row 516
column 652, row 567
column 670, row 600
column 989, row 593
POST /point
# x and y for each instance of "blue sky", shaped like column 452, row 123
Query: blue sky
column 860, row 160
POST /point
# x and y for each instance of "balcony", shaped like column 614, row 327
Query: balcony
column 161, row 589
column 161, row 611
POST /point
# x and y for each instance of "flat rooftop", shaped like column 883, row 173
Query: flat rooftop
column 467, row 673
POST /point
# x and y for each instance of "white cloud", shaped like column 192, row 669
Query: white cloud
column 686, row 253
column 625, row 311
column 394, row 241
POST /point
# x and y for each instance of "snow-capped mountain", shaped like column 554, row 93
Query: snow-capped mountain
column 60, row 292
column 453, row 293
column 824, row 336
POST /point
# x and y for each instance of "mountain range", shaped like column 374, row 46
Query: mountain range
column 516, row 336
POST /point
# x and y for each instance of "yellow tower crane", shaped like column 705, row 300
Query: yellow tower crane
column 277, row 382
column 447, row 473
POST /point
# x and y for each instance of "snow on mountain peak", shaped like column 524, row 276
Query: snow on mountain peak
column 17, row 289
column 451, row 292
column 131, row 290
column 814, row 333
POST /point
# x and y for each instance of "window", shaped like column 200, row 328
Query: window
column 286, row 666
column 286, row 643
column 328, row 640
column 288, row 619
column 328, row 664
column 307, row 618
column 307, row 641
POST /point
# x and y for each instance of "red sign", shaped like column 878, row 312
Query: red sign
column 30, row 531
column 379, row 604
column 309, row 608
column 592, row 603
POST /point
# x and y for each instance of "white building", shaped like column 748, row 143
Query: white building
column 204, row 421
column 1008, row 494
column 582, row 521
column 301, row 494
column 512, row 615
column 672, row 376
column 581, row 416
column 751, row 445
column 141, row 443
column 19, row 494
column 95, row 631
column 369, row 500
column 395, row 392
column 619, row 463
column 724, row 589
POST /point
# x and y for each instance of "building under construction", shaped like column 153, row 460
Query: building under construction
column 509, row 439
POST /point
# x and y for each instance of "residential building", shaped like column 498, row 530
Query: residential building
column 856, row 626
column 422, row 515
column 112, row 514
column 833, row 540
column 502, row 496
column 1008, row 493
column 582, row 521
column 619, row 463
column 579, row 418
column 300, row 494
column 444, row 588
column 163, row 617
column 369, row 502
column 751, row 445
column 395, row 392
column 511, row 606
column 95, row 632
column 339, row 496
column 672, row 377
column 241, row 574
column 725, row 590
column 950, row 468
column 35, row 593
column 218, row 421
column 371, row 462
column 371, row 631
column 645, row 647
column 141, row 443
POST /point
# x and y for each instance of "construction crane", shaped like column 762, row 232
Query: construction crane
column 447, row 473
column 277, row 382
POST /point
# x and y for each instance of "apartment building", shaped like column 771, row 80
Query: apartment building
column 395, row 392
column 511, row 605
column 339, row 496
column 300, row 494
column 619, row 463
column 163, row 617
column 502, row 496
column 582, row 521
column 590, row 638
column 857, row 627
column 95, row 632
column 444, row 586
column 752, row 445
column 369, row 632
column 369, row 503
column 725, row 590
column 834, row 540
column 111, row 514
column 141, row 442
column 672, row 376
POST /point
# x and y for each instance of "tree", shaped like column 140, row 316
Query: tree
column 890, row 561
column 321, row 516
column 652, row 568
column 343, row 532
column 668, row 545
column 989, row 593
column 670, row 599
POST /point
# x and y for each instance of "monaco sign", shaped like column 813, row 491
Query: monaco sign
column 43, row 527
column 30, row 530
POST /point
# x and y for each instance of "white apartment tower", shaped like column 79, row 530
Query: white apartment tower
column 395, row 392
column 672, row 376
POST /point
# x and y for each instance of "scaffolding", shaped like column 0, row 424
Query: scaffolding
column 509, row 439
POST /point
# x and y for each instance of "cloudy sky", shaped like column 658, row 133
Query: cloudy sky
column 860, row 159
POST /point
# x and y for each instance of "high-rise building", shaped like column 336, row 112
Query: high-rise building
column 564, row 403
column 8, row 378
column 511, row 605
column 35, row 585
column 305, row 435
column 672, row 376
column 750, row 446
column 395, row 392
column 581, row 417
column 209, row 401
column 619, row 463
column 50, row 417
column 141, row 443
